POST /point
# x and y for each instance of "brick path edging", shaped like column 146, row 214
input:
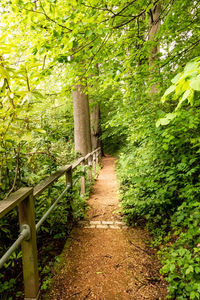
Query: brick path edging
column 103, row 224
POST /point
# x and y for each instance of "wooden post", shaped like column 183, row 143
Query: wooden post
column 94, row 163
column 83, row 180
column 100, row 157
column 97, row 157
column 29, row 249
column 90, row 171
column 68, row 176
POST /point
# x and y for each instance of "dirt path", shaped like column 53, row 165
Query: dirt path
column 106, row 260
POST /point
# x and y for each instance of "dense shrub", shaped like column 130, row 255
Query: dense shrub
column 160, row 184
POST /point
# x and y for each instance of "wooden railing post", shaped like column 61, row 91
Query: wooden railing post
column 90, row 165
column 97, row 157
column 94, row 163
column 83, row 179
column 29, row 248
column 68, row 176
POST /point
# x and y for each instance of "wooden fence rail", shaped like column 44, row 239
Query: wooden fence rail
column 24, row 198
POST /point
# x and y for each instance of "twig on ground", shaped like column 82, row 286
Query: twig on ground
column 139, row 248
column 87, row 295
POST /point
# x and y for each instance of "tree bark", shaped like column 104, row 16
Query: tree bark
column 154, row 25
column 95, row 119
column 82, row 132
column 95, row 125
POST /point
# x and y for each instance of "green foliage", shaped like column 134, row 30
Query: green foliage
column 113, row 126
column 181, row 259
column 48, row 46
column 160, row 185
column 36, row 133
column 51, row 237
column 185, row 84
column 32, row 133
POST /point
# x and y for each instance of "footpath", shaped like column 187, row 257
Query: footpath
column 107, row 260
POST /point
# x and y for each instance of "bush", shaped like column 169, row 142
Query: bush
column 160, row 185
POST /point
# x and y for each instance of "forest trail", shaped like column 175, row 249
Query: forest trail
column 105, row 259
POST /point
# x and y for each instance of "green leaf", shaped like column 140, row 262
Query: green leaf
column 172, row 267
column 195, row 84
column 191, row 66
column 40, row 130
column 163, row 98
column 193, row 295
column 2, row 149
column 176, row 78
column 184, row 97
column 4, row 73
column 166, row 120
column 170, row 90
column 189, row 270
column 37, row 94
column 197, row 270
column 182, row 250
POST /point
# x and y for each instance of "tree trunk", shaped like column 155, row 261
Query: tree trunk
column 155, row 23
column 95, row 125
column 82, row 133
column 95, row 119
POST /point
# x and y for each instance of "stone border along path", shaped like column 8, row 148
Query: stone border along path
column 104, row 259
column 103, row 224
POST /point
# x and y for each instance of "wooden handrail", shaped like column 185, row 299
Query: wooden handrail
column 23, row 198
column 39, row 188
column 13, row 200
column 78, row 162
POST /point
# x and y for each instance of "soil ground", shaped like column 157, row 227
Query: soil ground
column 107, row 263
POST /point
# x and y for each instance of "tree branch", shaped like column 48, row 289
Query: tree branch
column 44, row 60
column 130, row 20
column 50, row 19
column 84, row 46
column 105, row 40
column 47, row 17
column 98, row 8
column 192, row 46
column 134, row 17
column 27, row 81
column 124, row 8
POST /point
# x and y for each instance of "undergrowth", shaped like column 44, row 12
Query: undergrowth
column 51, row 237
column 160, row 183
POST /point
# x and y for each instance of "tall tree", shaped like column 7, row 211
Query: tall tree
column 82, row 132
column 95, row 125
column 154, row 26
